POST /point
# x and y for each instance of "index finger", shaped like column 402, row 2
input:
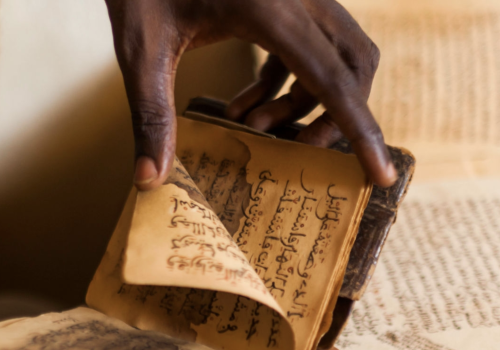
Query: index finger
column 305, row 50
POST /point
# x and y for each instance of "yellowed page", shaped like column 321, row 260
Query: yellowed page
column 437, row 284
column 172, row 267
column 298, row 209
column 175, row 240
column 83, row 328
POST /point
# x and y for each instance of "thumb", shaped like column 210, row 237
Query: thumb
column 154, row 129
column 151, row 99
column 148, row 55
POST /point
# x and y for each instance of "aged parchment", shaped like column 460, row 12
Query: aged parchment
column 83, row 328
column 437, row 286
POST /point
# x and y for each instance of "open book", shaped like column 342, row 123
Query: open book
column 245, row 245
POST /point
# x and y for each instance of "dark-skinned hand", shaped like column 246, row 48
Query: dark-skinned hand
column 317, row 40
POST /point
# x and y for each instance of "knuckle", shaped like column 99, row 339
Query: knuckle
column 369, row 58
column 327, row 119
column 278, row 18
column 374, row 56
column 147, row 113
column 343, row 90
column 362, row 57
column 371, row 134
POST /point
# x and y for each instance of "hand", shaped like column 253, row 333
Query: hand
column 317, row 40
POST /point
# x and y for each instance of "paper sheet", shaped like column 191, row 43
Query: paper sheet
column 173, row 237
column 145, row 282
column 83, row 328
column 437, row 284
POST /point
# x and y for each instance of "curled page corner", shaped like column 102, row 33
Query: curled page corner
column 171, row 266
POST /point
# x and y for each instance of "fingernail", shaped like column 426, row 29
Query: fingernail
column 145, row 171
column 392, row 174
column 233, row 112
column 261, row 122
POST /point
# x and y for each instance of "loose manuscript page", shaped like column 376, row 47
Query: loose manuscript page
column 437, row 284
column 436, row 90
column 83, row 328
column 248, row 236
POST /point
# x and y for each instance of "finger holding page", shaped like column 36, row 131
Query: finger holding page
column 306, row 51
column 335, row 86
column 148, row 51
column 357, row 51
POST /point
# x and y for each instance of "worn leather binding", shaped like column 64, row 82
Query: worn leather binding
column 379, row 216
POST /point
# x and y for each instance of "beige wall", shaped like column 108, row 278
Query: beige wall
column 66, row 152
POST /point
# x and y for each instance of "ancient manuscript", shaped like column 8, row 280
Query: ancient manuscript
column 245, row 245
column 436, row 90
column 85, row 329
column 437, row 284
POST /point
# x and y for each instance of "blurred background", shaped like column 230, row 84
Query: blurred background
column 66, row 148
